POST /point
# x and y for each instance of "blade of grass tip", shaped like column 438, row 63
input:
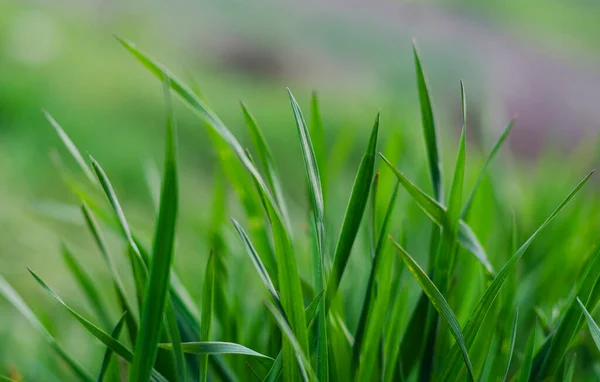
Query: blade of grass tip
column 437, row 213
column 525, row 372
column 353, row 216
column 208, row 302
column 87, row 285
column 594, row 329
column 486, row 165
column 108, row 352
column 318, row 211
column 119, row 349
column 303, row 361
column 289, row 283
column 429, row 128
column 570, row 370
column 15, row 299
column 266, row 160
column 71, row 147
column 511, row 350
column 439, row 303
column 368, row 312
column 318, row 134
column 214, row 347
column 155, row 296
column 476, row 318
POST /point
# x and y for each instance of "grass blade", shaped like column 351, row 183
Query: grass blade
column 594, row 329
column 108, row 353
column 513, row 338
column 353, row 216
column 440, row 304
column 155, row 296
column 318, row 211
column 429, row 128
column 486, row 165
column 318, row 136
column 213, row 347
column 483, row 306
column 208, row 302
column 437, row 213
column 570, row 370
column 525, row 372
column 13, row 297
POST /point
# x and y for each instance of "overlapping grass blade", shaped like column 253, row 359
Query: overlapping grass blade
column 87, row 285
column 173, row 334
column 267, row 161
column 570, row 370
column 373, row 312
column 353, row 216
column 437, row 213
column 452, row 368
column 214, row 347
column 440, row 304
column 156, row 293
column 484, row 169
column 429, row 129
column 109, row 352
column 13, row 297
column 511, row 348
column 208, row 302
column 318, row 212
column 525, row 370
column 594, row 329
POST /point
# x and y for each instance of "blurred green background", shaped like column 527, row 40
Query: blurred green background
column 538, row 59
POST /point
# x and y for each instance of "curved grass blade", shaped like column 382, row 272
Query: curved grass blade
column 119, row 349
column 303, row 361
column 525, row 372
column 486, row 165
column 429, row 128
column 267, row 162
column 513, row 338
column 570, row 370
column 318, row 136
column 476, row 318
column 437, row 213
column 594, row 329
column 155, row 296
column 214, row 347
column 440, row 304
column 87, row 285
column 108, row 353
column 71, row 147
column 353, row 216
column 13, row 297
column 208, row 302
column 318, row 211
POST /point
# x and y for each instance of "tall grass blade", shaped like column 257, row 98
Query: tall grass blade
column 511, row 348
column 570, row 370
column 318, row 138
column 15, row 300
column 594, row 329
column 109, row 352
column 213, row 347
column 208, row 302
column 525, row 371
column 353, row 216
column 439, row 303
column 451, row 368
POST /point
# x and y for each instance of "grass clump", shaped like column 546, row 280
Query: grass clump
column 460, row 323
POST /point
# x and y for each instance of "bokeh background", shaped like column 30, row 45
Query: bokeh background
column 538, row 59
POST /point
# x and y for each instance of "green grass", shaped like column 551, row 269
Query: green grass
column 294, row 297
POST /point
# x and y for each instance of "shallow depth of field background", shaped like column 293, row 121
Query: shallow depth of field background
column 536, row 59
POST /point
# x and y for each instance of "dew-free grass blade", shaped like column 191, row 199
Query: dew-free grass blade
column 208, row 302
column 318, row 138
column 215, row 347
column 87, row 285
column 71, row 147
column 392, row 336
column 440, row 304
column 109, row 352
column 267, row 161
column 15, row 299
column 157, row 288
column 173, row 334
column 525, row 370
column 570, row 370
column 429, row 129
column 318, row 212
column 353, row 216
column 511, row 349
column 452, row 368
column 437, row 213
column 484, row 169
column 594, row 329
